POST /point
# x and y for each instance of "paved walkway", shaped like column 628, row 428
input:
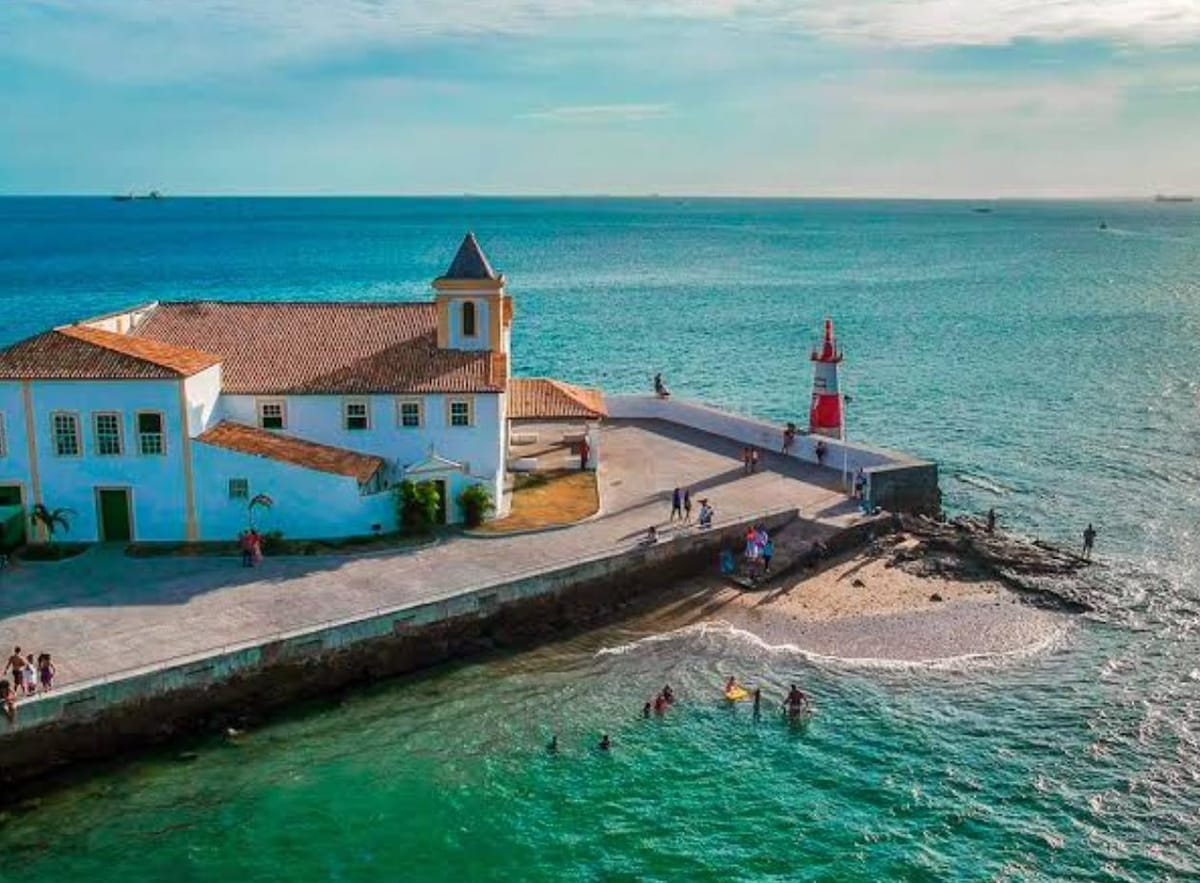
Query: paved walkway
column 104, row 612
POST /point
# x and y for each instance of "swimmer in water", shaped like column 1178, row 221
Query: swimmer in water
column 605, row 743
column 795, row 701
column 660, row 704
column 668, row 693
column 757, row 702
column 552, row 745
column 646, row 710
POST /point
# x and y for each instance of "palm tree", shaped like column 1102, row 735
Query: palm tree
column 260, row 501
column 50, row 520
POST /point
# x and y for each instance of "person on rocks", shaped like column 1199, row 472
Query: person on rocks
column 1089, row 540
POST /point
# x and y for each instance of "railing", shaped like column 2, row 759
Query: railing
column 437, row 597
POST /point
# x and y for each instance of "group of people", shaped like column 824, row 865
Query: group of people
column 757, row 555
column 30, row 676
column 795, row 704
column 660, row 703
column 251, row 543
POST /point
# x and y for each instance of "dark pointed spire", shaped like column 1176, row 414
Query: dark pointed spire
column 470, row 262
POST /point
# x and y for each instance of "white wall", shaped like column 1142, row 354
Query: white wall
column 748, row 431
column 156, row 483
column 203, row 392
column 308, row 504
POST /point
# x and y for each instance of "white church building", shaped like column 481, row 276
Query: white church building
column 163, row 421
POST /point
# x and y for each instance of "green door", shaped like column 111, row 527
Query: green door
column 441, row 492
column 114, row 515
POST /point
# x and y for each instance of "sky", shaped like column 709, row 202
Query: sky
column 920, row 98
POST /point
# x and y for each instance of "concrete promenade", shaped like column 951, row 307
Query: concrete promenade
column 103, row 612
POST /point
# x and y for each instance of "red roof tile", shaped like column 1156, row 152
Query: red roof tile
column 77, row 352
column 289, row 449
column 540, row 398
column 275, row 348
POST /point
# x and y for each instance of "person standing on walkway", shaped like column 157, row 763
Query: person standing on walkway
column 687, row 505
column 745, row 461
column 17, row 663
column 46, row 670
column 820, row 450
column 789, row 439
column 753, row 460
column 676, row 504
column 1089, row 540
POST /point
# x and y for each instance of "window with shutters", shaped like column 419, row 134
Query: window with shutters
column 106, row 427
column 151, row 442
column 66, row 433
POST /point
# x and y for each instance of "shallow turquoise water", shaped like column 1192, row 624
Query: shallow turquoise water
column 1026, row 350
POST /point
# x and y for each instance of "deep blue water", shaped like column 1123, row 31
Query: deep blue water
column 1051, row 367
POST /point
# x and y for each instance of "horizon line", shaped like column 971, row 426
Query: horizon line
column 1098, row 197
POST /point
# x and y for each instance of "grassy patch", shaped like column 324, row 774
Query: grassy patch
column 547, row 500
column 282, row 546
column 51, row 551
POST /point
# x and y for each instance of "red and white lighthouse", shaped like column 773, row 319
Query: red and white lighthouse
column 825, row 416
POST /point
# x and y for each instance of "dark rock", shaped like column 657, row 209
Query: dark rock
column 935, row 597
column 858, row 584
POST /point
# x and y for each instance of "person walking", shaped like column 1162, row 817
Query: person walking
column 753, row 460
column 1089, row 540
column 745, row 461
column 687, row 505
column 16, row 662
column 46, row 671
column 676, row 504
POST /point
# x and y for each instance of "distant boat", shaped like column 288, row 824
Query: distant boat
column 1164, row 197
column 982, row 210
column 1103, row 226
column 131, row 196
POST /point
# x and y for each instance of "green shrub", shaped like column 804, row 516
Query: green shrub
column 273, row 543
column 417, row 505
column 476, row 503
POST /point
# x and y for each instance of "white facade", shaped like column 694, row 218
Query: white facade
column 150, row 470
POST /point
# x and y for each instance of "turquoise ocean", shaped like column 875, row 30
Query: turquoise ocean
column 1050, row 366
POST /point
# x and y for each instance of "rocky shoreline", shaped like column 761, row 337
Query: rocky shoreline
column 964, row 549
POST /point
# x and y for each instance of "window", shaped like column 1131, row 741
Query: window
column 107, row 430
column 150, row 433
column 410, row 415
column 66, row 434
column 468, row 319
column 239, row 489
column 356, row 415
column 460, row 412
column 271, row 415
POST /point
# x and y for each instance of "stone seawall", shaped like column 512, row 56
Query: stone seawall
column 233, row 685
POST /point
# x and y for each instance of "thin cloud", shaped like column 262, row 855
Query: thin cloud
column 600, row 113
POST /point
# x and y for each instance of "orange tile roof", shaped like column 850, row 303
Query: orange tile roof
column 346, row 348
column 541, row 398
column 77, row 352
column 289, row 449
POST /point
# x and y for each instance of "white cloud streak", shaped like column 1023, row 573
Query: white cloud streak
column 600, row 113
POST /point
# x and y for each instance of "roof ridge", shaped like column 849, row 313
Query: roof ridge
column 99, row 337
column 341, row 304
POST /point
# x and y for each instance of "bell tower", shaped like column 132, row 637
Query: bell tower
column 474, row 311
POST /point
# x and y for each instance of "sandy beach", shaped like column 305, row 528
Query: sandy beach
column 862, row 606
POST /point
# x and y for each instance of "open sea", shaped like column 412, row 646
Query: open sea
column 1050, row 366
